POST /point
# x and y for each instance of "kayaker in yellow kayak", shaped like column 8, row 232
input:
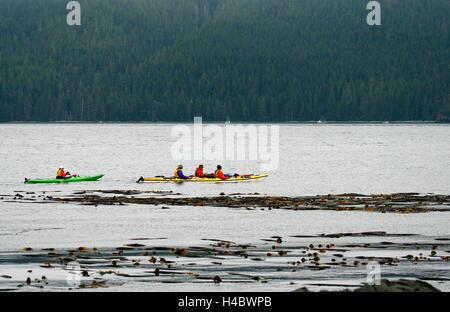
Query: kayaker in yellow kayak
column 179, row 173
column 200, row 174
column 219, row 174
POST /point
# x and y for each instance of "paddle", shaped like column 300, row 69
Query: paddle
column 141, row 179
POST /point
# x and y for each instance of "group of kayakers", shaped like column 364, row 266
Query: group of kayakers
column 200, row 174
column 62, row 174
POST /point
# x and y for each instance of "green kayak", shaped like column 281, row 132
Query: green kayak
column 74, row 179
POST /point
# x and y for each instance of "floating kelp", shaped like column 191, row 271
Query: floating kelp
column 397, row 203
column 290, row 259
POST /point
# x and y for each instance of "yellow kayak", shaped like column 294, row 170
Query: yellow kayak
column 195, row 179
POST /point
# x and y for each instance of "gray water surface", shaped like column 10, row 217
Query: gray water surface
column 314, row 159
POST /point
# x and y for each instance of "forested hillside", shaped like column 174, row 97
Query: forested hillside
column 247, row 60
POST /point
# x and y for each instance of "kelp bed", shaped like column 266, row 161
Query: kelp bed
column 325, row 261
column 398, row 202
column 278, row 263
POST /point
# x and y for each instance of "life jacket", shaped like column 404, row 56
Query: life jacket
column 176, row 173
column 61, row 173
column 219, row 174
column 199, row 172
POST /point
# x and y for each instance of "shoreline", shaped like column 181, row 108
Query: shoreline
column 371, row 122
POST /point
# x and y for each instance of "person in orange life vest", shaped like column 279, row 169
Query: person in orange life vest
column 224, row 176
column 61, row 174
column 219, row 173
column 179, row 173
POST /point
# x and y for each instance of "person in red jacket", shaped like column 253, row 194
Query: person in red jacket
column 199, row 172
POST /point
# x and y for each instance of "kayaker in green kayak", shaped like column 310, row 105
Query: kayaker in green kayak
column 72, row 179
column 61, row 174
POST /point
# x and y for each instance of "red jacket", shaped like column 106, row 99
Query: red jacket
column 199, row 172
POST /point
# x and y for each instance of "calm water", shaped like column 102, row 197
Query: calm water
column 314, row 159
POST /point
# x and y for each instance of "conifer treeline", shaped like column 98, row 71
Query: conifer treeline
column 247, row 60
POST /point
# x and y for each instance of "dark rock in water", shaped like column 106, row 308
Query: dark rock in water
column 401, row 285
